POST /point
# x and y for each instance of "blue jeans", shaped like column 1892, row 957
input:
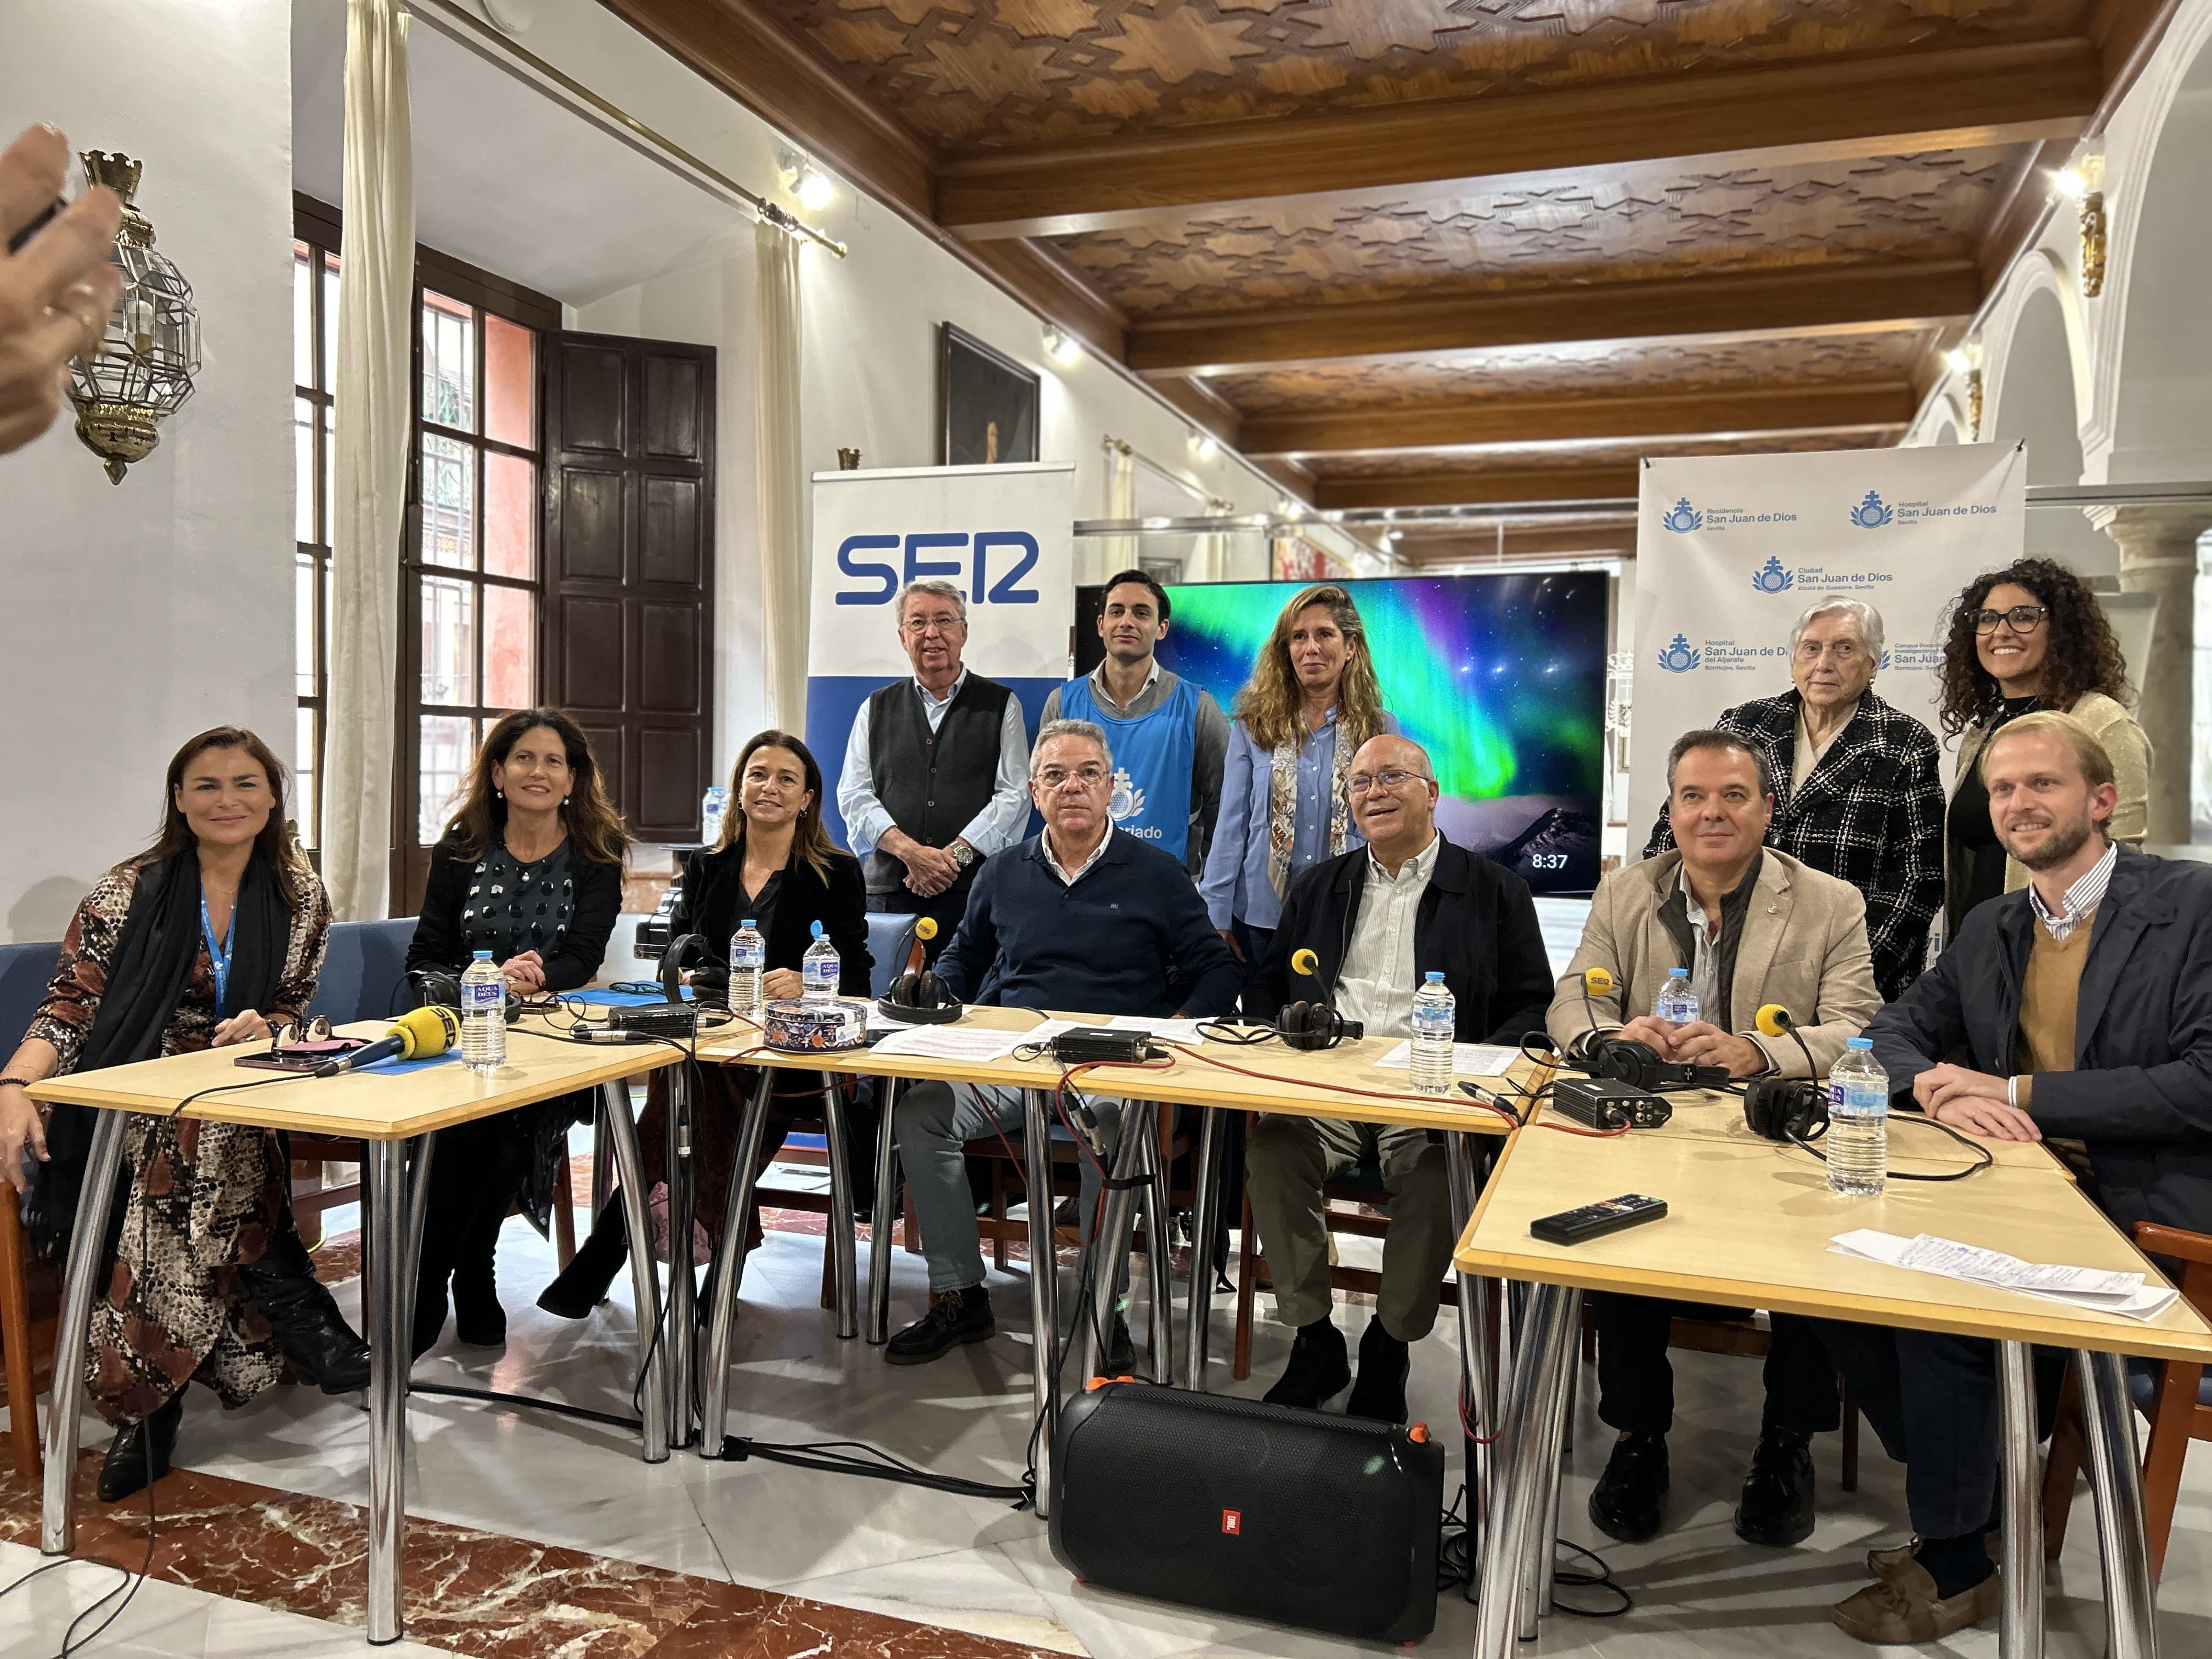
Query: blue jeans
column 934, row 1122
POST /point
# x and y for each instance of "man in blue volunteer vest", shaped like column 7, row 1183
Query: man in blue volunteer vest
column 936, row 776
column 1169, row 738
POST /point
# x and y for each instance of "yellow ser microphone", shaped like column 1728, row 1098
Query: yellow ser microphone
column 1305, row 961
column 1774, row 1020
column 1596, row 983
column 926, row 928
column 419, row 1034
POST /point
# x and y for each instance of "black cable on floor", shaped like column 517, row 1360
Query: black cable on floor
column 1454, row 1567
column 528, row 1402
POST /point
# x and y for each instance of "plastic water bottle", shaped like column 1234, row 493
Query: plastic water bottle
column 1434, row 1025
column 483, row 1016
column 713, row 805
column 1858, row 1141
column 819, row 969
column 1676, row 1002
column 748, row 969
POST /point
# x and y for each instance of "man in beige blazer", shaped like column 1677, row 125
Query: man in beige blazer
column 1752, row 926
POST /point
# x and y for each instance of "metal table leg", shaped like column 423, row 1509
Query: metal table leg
column 602, row 1173
column 1159, row 1248
column 1539, row 1376
column 1044, row 1265
column 1539, row 1565
column 682, row 1336
column 2116, row 1481
column 390, row 1359
column 2019, row 1632
column 840, row 1243
column 1205, row 1211
column 645, row 1286
column 729, row 1268
column 1477, row 1380
column 883, row 1233
column 1108, row 1247
column 418, row 1206
column 57, row 1514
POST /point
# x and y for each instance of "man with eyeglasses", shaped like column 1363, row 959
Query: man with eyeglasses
column 1378, row 918
column 1081, row 917
column 932, row 783
column 1856, row 792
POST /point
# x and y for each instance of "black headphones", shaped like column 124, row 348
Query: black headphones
column 920, row 997
column 690, row 949
column 1311, row 1026
column 1625, row 1060
column 1784, row 1109
column 434, row 987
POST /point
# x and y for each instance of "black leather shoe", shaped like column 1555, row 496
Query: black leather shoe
column 1120, row 1349
column 127, row 1469
column 478, row 1320
column 1629, row 1501
column 1384, row 1362
column 954, row 1317
column 584, row 1283
column 319, row 1344
column 1777, row 1508
column 1319, row 1369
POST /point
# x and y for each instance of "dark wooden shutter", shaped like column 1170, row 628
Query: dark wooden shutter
column 629, row 432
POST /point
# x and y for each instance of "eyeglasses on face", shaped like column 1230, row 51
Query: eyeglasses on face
column 1083, row 777
column 2021, row 618
column 943, row 623
column 1390, row 777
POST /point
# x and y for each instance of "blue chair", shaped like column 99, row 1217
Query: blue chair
column 25, row 970
column 363, row 977
column 886, row 931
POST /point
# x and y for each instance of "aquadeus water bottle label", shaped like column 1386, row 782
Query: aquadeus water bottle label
column 485, row 996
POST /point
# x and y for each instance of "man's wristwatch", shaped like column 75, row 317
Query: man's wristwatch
column 962, row 853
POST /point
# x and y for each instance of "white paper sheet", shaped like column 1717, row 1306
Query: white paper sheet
column 1468, row 1058
column 2096, row 1290
column 1166, row 1030
column 964, row 1042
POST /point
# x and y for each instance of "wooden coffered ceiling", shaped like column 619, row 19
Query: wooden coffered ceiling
column 1436, row 252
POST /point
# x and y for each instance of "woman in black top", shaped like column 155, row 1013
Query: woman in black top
column 776, row 867
column 531, row 870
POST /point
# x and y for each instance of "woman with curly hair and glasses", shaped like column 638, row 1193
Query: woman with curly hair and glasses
column 1312, row 700
column 530, row 868
column 2029, row 636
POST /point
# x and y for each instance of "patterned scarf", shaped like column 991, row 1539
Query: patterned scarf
column 1283, row 806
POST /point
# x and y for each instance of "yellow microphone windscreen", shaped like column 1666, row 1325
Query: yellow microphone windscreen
column 428, row 1031
column 1596, row 982
column 1305, row 961
column 926, row 928
column 1774, row 1020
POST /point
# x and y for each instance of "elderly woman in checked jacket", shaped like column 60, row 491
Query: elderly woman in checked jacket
column 1858, row 795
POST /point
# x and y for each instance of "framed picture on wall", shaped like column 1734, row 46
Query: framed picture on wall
column 987, row 403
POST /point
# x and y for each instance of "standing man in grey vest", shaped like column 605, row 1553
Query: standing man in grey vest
column 936, row 776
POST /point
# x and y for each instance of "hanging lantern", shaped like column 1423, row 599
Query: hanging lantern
column 142, row 369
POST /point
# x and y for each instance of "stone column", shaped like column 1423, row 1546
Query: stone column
column 2158, row 554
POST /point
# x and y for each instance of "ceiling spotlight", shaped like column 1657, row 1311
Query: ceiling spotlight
column 1203, row 445
column 1958, row 360
column 815, row 190
column 1062, row 347
column 1390, row 538
column 2071, row 183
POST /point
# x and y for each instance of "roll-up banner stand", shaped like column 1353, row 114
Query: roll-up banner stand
column 1731, row 549
column 1003, row 535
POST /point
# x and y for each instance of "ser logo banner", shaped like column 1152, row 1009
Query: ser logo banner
column 991, row 565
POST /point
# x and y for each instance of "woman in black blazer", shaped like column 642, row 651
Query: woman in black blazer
column 529, row 869
column 775, row 866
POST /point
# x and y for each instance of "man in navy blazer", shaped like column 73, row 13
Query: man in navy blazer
column 2082, row 1008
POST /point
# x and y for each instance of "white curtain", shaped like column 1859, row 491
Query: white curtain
column 376, row 293
column 782, row 519
column 1116, row 554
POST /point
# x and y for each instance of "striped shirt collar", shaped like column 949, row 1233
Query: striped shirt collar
column 2082, row 898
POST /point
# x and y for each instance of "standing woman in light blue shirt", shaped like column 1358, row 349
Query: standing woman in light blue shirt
column 1311, row 701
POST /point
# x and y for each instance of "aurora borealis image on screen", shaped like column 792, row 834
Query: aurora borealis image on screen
column 1501, row 678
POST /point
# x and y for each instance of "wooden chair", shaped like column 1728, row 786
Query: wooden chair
column 2178, row 1401
column 30, row 1295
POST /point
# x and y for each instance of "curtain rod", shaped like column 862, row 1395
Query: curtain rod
column 450, row 20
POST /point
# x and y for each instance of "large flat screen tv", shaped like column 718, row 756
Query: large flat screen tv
column 1501, row 678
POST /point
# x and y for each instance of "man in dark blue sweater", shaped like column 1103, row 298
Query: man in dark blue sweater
column 1078, row 919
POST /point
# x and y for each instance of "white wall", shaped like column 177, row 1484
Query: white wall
column 143, row 612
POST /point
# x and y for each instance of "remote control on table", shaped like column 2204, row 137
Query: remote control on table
column 1595, row 1220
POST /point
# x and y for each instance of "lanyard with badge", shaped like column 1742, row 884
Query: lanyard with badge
column 219, row 957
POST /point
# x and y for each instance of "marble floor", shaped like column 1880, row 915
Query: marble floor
column 534, row 1534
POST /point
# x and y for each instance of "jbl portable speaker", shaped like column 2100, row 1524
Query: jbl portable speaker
column 1266, row 1511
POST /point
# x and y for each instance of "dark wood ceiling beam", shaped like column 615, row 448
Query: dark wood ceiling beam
column 766, row 69
column 1208, row 409
column 1571, row 484
column 1040, row 278
column 1810, row 300
column 1473, row 422
column 1825, row 109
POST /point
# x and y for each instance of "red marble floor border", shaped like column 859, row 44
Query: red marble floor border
column 470, row 1592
